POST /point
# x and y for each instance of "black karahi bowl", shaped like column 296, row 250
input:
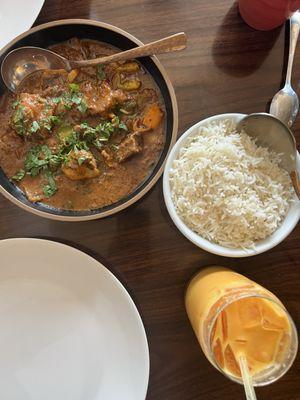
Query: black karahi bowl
column 60, row 31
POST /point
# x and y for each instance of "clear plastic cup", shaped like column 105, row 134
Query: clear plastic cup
column 214, row 290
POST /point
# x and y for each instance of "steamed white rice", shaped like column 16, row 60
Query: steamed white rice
column 227, row 189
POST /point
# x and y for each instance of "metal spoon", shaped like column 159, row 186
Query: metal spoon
column 272, row 133
column 21, row 62
column 285, row 103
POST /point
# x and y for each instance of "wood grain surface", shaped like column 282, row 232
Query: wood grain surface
column 227, row 67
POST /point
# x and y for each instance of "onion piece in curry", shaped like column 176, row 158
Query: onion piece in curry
column 85, row 139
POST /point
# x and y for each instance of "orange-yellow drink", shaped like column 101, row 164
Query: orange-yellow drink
column 233, row 316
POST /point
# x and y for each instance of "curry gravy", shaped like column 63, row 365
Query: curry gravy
column 85, row 139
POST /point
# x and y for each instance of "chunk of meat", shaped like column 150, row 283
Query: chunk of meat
column 55, row 80
column 146, row 96
column 33, row 196
column 34, row 191
column 108, row 157
column 133, row 144
column 72, row 49
column 32, row 116
column 93, row 49
column 80, row 165
column 101, row 98
column 33, row 105
column 110, row 73
column 45, row 83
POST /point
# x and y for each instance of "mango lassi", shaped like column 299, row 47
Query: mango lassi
column 233, row 316
column 254, row 328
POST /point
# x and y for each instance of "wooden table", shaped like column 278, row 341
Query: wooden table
column 227, row 67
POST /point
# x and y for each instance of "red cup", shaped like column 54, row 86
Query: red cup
column 265, row 15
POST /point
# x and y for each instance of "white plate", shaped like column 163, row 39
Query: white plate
column 69, row 329
column 289, row 223
column 16, row 16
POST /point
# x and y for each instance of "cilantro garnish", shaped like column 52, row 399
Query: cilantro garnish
column 18, row 120
column 102, row 132
column 15, row 103
column 34, row 127
column 81, row 160
column 48, row 122
column 76, row 98
column 38, row 159
column 50, row 189
column 82, row 107
column 74, row 87
column 54, row 119
column 123, row 126
column 41, row 159
column 68, row 106
column 19, row 175
column 114, row 147
column 70, row 140
column 101, row 72
column 57, row 100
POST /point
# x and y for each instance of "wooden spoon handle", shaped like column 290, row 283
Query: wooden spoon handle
column 296, row 183
column 171, row 43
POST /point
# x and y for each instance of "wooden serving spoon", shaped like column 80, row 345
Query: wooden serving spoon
column 21, row 62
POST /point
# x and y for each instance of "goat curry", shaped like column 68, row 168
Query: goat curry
column 84, row 139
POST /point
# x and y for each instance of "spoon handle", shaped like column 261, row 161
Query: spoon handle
column 171, row 43
column 296, row 183
column 294, row 32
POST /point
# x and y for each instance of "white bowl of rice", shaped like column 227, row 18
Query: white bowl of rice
column 226, row 194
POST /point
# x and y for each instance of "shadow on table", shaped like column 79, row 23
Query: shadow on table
column 238, row 49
